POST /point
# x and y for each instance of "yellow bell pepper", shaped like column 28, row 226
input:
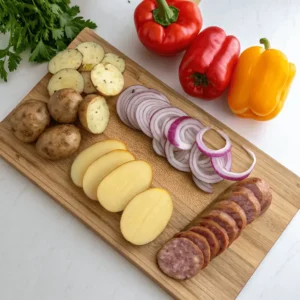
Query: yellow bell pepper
column 260, row 83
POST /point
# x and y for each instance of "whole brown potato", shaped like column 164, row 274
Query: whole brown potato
column 58, row 142
column 63, row 105
column 29, row 120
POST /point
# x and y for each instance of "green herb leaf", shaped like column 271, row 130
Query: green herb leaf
column 13, row 61
column 57, row 33
column 3, row 72
column 41, row 53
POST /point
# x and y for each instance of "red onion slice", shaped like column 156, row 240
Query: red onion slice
column 211, row 152
column 158, row 148
column 181, row 164
column 182, row 132
column 202, row 168
column 123, row 100
column 221, row 170
column 160, row 119
column 205, row 187
column 137, row 100
column 144, row 112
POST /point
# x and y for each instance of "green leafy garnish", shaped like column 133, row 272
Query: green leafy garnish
column 45, row 27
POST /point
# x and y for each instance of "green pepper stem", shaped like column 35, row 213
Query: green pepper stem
column 265, row 42
column 165, row 14
column 164, row 10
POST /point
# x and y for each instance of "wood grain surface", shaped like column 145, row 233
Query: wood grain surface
column 226, row 275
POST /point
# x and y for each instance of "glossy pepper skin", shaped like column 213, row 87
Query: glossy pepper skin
column 208, row 64
column 167, row 27
column 260, row 83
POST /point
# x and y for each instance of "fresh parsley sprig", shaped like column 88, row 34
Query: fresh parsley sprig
column 42, row 26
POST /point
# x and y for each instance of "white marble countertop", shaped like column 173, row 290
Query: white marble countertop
column 46, row 253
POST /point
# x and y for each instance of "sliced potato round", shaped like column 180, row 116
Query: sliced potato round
column 66, row 78
column 118, row 188
column 85, row 158
column 101, row 168
column 67, row 59
column 92, row 53
column 94, row 113
column 88, row 85
column 115, row 60
column 107, row 79
column 146, row 216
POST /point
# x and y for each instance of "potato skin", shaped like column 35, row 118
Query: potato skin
column 59, row 142
column 63, row 105
column 29, row 120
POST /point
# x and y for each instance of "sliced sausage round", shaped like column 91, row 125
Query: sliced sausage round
column 180, row 259
column 199, row 241
column 261, row 191
column 225, row 221
column 218, row 231
column 247, row 201
column 210, row 237
column 234, row 211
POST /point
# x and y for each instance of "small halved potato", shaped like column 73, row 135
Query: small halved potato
column 92, row 53
column 94, row 113
column 58, row 142
column 63, row 105
column 29, row 120
column 67, row 59
column 115, row 60
column 66, row 78
column 88, row 85
column 107, row 79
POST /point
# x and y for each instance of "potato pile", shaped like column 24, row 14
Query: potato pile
column 109, row 173
column 86, row 69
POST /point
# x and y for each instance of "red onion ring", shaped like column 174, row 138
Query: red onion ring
column 201, row 166
column 144, row 112
column 182, row 132
column 210, row 152
column 161, row 117
column 205, row 187
column 123, row 100
column 158, row 148
column 181, row 164
column 221, row 170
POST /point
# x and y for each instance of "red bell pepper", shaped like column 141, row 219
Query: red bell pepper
column 167, row 29
column 207, row 66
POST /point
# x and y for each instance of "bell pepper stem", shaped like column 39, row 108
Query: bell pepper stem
column 165, row 14
column 265, row 42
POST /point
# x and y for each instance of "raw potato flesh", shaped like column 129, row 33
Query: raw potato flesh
column 66, row 78
column 115, row 60
column 67, row 59
column 108, row 80
column 146, row 216
column 92, row 53
column 101, row 168
column 88, row 85
column 94, row 114
column 91, row 154
column 118, row 188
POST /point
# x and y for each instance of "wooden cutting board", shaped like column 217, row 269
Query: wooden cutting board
column 226, row 275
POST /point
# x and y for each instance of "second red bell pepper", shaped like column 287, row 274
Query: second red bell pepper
column 207, row 66
column 167, row 27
